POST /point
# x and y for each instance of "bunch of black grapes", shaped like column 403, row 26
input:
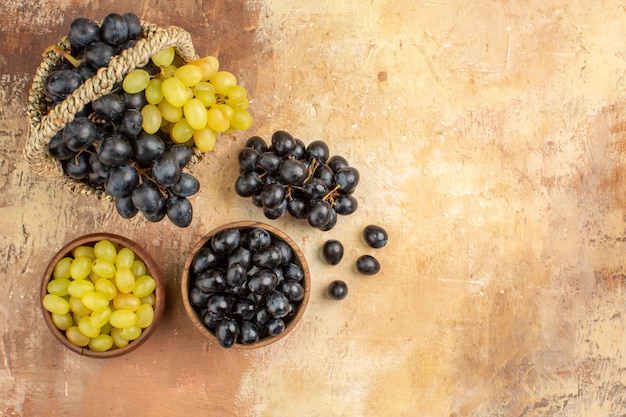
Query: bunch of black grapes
column 303, row 180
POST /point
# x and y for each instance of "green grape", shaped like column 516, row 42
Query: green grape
column 207, row 98
column 62, row 268
column 106, row 250
column 85, row 327
column 138, row 268
column 241, row 120
column 235, row 96
column 169, row 112
column 168, row 71
column 77, row 307
column 75, row 336
column 153, row 92
column 125, row 301
column 189, row 74
column 144, row 285
column 101, row 343
column 118, row 340
column 136, row 81
column 106, row 288
column 78, row 288
column 106, row 328
column 222, row 81
column 123, row 319
column 124, row 280
column 125, row 258
column 62, row 321
column 100, row 318
column 164, row 57
column 217, row 119
column 175, row 92
column 208, row 64
column 103, row 268
column 145, row 315
column 55, row 304
column 95, row 301
column 149, row 299
column 151, row 118
column 195, row 113
column 58, row 286
column 80, row 268
column 181, row 131
column 130, row 333
column 84, row 251
column 205, row 139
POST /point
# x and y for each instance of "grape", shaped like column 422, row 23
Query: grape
column 105, row 287
column 77, row 167
column 249, row 333
column 375, row 236
column 338, row 289
column 189, row 74
column 181, row 131
column 134, row 25
column 195, row 113
column 209, row 66
column 55, row 304
column 217, row 119
column 126, row 301
column 247, row 158
column 145, row 316
column 367, row 265
column 164, row 57
column 109, row 106
column 147, row 148
column 136, row 81
column 293, row 290
column 94, row 301
column 262, row 281
column 85, row 71
column 75, row 336
column 258, row 238
column 227, row 332
column 60, row 84
column 277, row 304
column 134, row 101
column 318, row 150
column 347, row 179
column 257, row 143
column 222, row 81
column 174, row 91
column 179, row 211
column 186, row 186
column 319, row 213
column 332, row 251
column 166, row 170
column 331, row 222
column 226, row 241
column 273, row 195
column 147, row 198
column 241, row 120
column 114, row 29
column 314, row 189
column 298, row 208
column 283, row 143
column 248, row 184
column 103, row 268
column 269, row 162
column 153, row 91
column 79, row 134
column 337, row 162
column 106, row 250
column 57, row 147
column 115, row 150
column 121, row 181
column 182, row 154
column 299, row 150
column 293, row 171
column 277, row 212
column 144, row 286
column 275, row 326
column 83, row 32
column 98, row 54
column 345, row 204
column 125, row 207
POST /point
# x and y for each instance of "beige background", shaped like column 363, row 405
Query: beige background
column 490, row 139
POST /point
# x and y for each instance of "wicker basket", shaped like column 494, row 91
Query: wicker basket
column 45, row 121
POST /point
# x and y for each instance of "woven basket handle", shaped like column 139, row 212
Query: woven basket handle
column 43, row 126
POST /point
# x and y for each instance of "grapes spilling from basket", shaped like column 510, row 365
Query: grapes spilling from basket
column 303, row 180
column 135, row 142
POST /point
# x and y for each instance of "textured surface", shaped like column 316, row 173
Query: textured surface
column 490, row 137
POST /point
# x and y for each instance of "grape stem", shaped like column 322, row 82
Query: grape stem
column 330, row 196
column 56, row 48
column 143, row 173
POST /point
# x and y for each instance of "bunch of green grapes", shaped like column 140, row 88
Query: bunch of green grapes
column 193, row 102
column 102, row 297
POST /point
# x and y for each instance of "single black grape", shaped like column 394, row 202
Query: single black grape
column 292, row 289
column 79, row 134
column 275, row 326
column 85, row 71
column 276, row 212
column 227, row 332
column 99, row 54
column 262, row 282
column 273, row 195
column 61, row 83
column 134, row 101
column 226, row 241
column 166, row 170
column 338, row 289
column 211, row 281
column 131, row 123
column 317, row 150
column 77, row 167
column 186, row 186
column 299, row 150
column 286, row 254
column 326, row 175
column 114, row 29
column 125, row 207
column 148, row 148
column 337, row 162
column 367, row 265
column 375, row 236
column 257, row 238
column 134, row 25
column 220, row 305
column 345, row 204
column 158, row 215
column 179, row 211
column 319, row 213
column 236, row 274
column 148, row 199
column 347, row 178
column 269, row 162
column 57, row 147
column 298, row 207
column 293, row 171
column 248, row 184
column 182, row 153
column 109, row 106
column 314, row 189
column 198, row 298
column 83, row 32
column 277, row 304
column 332, row 251
column 249, row 333
column 121, row 181
column 258, row 143
column 293, row 271
column 332, row 222
column 283, row 143
column 240, row 256
column 205, row 259
column 267, row 257
column 209, row 321
column 247, row 159
column 244, row 309
column 115, row 150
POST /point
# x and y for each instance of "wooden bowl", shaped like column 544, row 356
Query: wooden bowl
column 188, row 278
column 140, row 253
